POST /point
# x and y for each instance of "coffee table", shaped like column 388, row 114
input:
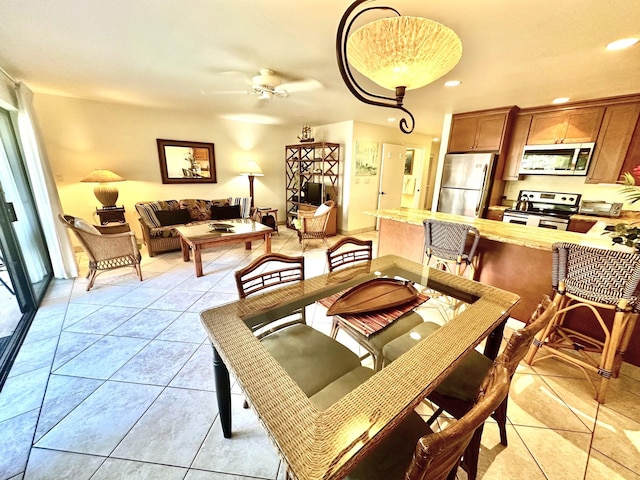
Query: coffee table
column 198, row 237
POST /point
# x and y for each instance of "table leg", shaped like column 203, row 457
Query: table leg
column 492, row 345
column 185, row 249
column 247, row 245
column 197, row 259
column 223, row 392
column 267, row 242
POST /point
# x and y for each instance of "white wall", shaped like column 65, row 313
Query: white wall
column 82, row 135
column 8, row 99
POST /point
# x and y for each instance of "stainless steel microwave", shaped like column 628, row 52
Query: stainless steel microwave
column 556, row 159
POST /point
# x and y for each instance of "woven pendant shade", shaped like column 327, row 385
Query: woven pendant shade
column 404, row 51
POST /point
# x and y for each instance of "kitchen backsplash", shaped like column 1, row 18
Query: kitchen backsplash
column 550, row 183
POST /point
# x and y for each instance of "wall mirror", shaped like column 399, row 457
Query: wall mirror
column 186, row 162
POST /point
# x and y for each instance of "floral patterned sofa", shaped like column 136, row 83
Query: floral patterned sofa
column 158, row 218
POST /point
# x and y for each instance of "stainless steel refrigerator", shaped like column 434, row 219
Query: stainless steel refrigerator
column 466, row 180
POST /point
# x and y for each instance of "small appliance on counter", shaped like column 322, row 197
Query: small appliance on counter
column 543, row 209
column 600, row 208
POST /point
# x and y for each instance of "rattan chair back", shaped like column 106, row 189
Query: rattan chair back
column 267, row 271
column 105, row 251
column 347, row 251
column 450, row 242
column 438, row 454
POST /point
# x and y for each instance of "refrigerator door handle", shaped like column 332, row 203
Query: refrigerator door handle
column 482, row 197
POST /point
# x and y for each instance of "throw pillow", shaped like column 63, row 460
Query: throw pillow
column 245, row 205
column 81, row 224
column 321, row 210
column 173, row 217
column 225, row 213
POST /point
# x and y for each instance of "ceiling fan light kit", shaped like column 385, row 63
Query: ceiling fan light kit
column 398, row 53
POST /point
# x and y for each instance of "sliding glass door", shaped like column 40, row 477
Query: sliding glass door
column 26, row 268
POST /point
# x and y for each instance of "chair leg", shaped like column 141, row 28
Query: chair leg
column 92, row 279
column 334, row 328
column 471, row 453
column 500, row 416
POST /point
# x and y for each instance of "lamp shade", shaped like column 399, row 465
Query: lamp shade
column 107, row 195
column 252, row 169
column 404, row 51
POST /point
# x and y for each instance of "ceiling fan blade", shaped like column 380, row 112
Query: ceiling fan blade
column 223, row 92
column 301, row 86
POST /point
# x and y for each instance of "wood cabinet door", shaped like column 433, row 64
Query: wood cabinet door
column 613, row 142
column 576, row 125
column 582, row 125
column 497, row 215
column 516, row 146
column 463, row 134
column 489, row 132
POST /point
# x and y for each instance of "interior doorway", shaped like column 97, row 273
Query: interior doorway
column 391, row 177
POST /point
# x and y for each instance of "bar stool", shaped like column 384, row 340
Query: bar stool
column 591, row 279
column 450, row 243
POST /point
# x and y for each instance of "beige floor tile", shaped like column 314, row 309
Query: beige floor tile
column 533, row 403
column 497, row 462
column 577, row 394
column 553, row 366
column 601, row 466
column 618, row 437
column 562, row 455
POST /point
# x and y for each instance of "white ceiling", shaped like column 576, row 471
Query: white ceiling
column 165, row 53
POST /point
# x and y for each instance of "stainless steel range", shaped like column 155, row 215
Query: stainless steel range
column 543, row 209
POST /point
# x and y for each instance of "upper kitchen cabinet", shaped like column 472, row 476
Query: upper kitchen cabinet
column 618, row 144
column 573, row 125
column 519, row 134
column 482, row 131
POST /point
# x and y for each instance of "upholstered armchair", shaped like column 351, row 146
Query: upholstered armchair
column 105, row 251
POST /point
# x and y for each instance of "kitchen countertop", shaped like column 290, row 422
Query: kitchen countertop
column 522, row 235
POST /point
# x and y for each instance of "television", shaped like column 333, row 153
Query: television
column 314, row 193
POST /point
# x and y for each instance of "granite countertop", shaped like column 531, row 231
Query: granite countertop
column 532, row 237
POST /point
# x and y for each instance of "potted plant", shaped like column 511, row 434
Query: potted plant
column 628, row 235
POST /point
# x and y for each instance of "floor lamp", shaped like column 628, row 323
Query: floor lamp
column 252, row 170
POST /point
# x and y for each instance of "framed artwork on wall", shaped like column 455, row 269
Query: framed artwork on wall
column 186, row 162
column 367, row 158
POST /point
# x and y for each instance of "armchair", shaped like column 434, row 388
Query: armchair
column 312, row 225
column 105, row 252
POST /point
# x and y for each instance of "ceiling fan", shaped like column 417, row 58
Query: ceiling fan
column 268, row 84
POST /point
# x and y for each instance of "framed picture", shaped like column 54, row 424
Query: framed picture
column 186, row 162
column 408, row 162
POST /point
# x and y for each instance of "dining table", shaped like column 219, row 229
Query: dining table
column 328, row 443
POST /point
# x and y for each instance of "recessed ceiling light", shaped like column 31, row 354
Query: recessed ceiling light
column 622, row 43
column 452, row 83
column 391, row 119
column 436, row 139
column 560, row 100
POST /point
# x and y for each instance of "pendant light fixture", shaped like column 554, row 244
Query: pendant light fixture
column 398, row 53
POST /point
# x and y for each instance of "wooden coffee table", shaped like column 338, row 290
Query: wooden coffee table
column 198, row 237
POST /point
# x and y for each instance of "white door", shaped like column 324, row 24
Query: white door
column 391, row 176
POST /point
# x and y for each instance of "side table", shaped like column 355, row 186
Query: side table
column 114, row 214
column 261, row 211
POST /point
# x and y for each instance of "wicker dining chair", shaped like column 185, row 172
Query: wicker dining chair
column 457, row 392
column 311, row 358
column 312, row 225
column 105, row 251
column 414, row 452
column 591, row 280
column 350, row 251
column 451, row 246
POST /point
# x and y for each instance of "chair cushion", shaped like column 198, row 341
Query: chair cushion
column 463, row 383
column 310, row 357
column 340, row 387
column 405, row 342
column 225, row 213
column 85, row 226
column 397, row 328
column 391, row 458
column 173, row 217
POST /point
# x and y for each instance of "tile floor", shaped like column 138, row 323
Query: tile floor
column 118, row 383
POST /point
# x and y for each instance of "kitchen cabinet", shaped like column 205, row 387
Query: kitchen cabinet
column 478, row 131
column 617, row 144
column 497, row 215
column 574, row 125
column 579, row 225
column 519, row 134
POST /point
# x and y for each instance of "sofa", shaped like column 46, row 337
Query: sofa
column 158, row 218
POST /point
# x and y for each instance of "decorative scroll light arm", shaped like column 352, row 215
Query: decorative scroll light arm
column 347, row 76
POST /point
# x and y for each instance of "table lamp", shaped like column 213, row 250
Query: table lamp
column 252, row 170
column 105, row 193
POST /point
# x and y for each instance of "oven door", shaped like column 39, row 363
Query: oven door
column 554, row 223
column 533, row 220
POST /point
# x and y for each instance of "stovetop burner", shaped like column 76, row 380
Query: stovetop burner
column 552, row 204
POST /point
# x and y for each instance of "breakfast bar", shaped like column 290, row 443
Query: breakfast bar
column 513, row 257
